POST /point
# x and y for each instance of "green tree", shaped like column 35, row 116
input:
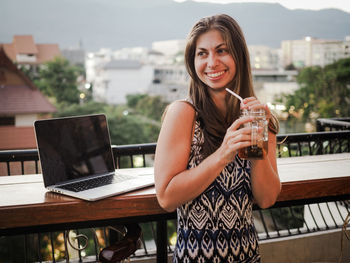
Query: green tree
column 324, row 92
column 133, row 99
column 290, row 67
column 124, row 128
column 58, row 79
column 151, row 107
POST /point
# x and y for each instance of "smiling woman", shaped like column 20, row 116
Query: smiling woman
column 197, row 168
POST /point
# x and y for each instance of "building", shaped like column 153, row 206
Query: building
column 314, row 52
column 170, row 47
column 271, row 84
column 24, row 51
column 21, row 103
column 115, row 74
column 170, row 82
column 115, row 79
column 263, row 57
column 75, row 56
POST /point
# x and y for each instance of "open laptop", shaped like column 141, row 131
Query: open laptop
column 77, row 160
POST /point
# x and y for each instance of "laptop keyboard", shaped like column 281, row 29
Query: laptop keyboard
column 96, row 182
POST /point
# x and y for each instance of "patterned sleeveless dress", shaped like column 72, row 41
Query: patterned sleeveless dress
column 217, row 226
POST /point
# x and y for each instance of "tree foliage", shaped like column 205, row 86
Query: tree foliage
column 58, row 79
column 125, row 127
column 136, row 122
column 324, row 92
column 150, row 106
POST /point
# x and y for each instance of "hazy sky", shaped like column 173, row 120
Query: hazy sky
column 293, row 4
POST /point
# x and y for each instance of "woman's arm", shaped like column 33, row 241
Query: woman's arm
column 266, row 184
column 175, row 185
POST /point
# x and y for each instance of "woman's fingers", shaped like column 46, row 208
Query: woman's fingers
column 252, row 103
column 238, row 139
column 239, row 123
column 235, row 138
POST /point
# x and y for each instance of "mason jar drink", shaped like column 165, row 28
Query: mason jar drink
column 259, row 135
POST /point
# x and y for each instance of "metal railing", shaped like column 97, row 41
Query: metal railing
column 279, row 221
column 333, row 124
column 14, row 162
column 316, row 143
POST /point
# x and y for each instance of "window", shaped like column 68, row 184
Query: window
column 7, row 121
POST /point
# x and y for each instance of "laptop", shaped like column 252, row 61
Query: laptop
column 77, row 160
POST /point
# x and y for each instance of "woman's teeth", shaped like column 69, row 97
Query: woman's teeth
column 216, row 74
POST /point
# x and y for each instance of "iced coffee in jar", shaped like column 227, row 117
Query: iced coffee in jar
column 259, row 135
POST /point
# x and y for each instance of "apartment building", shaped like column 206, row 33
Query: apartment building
column 313, row 51
column 263, row 57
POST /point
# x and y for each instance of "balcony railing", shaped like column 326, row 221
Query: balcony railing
column 333, row 124
column 284, row 219
column 14, row 162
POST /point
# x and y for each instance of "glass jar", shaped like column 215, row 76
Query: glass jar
column 259, row 135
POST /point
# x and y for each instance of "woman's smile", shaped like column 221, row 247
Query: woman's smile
column 215, row 75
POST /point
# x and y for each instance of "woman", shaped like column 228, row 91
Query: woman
column 197, row 169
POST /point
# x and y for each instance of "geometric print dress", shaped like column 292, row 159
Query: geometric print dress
column 217, row 226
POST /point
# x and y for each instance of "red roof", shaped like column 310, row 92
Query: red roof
column 22, row 99
column 47, row 52
column 25, row 45
column 17, row 92
column 9, row 51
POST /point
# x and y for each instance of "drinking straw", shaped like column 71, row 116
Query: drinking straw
column 234, row 94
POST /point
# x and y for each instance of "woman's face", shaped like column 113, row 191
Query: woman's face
column 213, row 63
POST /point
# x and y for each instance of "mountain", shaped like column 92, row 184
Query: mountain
column 128, row 23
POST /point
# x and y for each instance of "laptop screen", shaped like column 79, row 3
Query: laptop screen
column 73, row 148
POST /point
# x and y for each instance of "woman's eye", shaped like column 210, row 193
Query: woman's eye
column 222, row 51
column 200, row 53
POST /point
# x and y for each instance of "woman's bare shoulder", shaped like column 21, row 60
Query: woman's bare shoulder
column 180, row 108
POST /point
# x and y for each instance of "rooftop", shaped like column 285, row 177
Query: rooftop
column 17, row 92
column 123, row 64
column 23, row 99
column 25, row 45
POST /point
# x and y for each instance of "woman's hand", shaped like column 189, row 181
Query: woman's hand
column 235, row 139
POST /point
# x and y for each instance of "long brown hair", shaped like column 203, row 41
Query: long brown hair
column 214, row 124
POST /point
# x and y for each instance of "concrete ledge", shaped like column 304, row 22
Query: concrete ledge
column 320, row 247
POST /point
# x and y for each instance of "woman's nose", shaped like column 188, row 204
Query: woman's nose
column 212, row 61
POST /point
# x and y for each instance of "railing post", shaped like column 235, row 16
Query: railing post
column 162, row 244
column 319, row 126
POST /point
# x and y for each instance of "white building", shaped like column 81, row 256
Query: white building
column 93, row 62
column 142, row 54
column 271, row 84
column 170, row 82
column 314, row 52
column 114, row 74
column 169, row 47
column 118, row 78
column 263, row 57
